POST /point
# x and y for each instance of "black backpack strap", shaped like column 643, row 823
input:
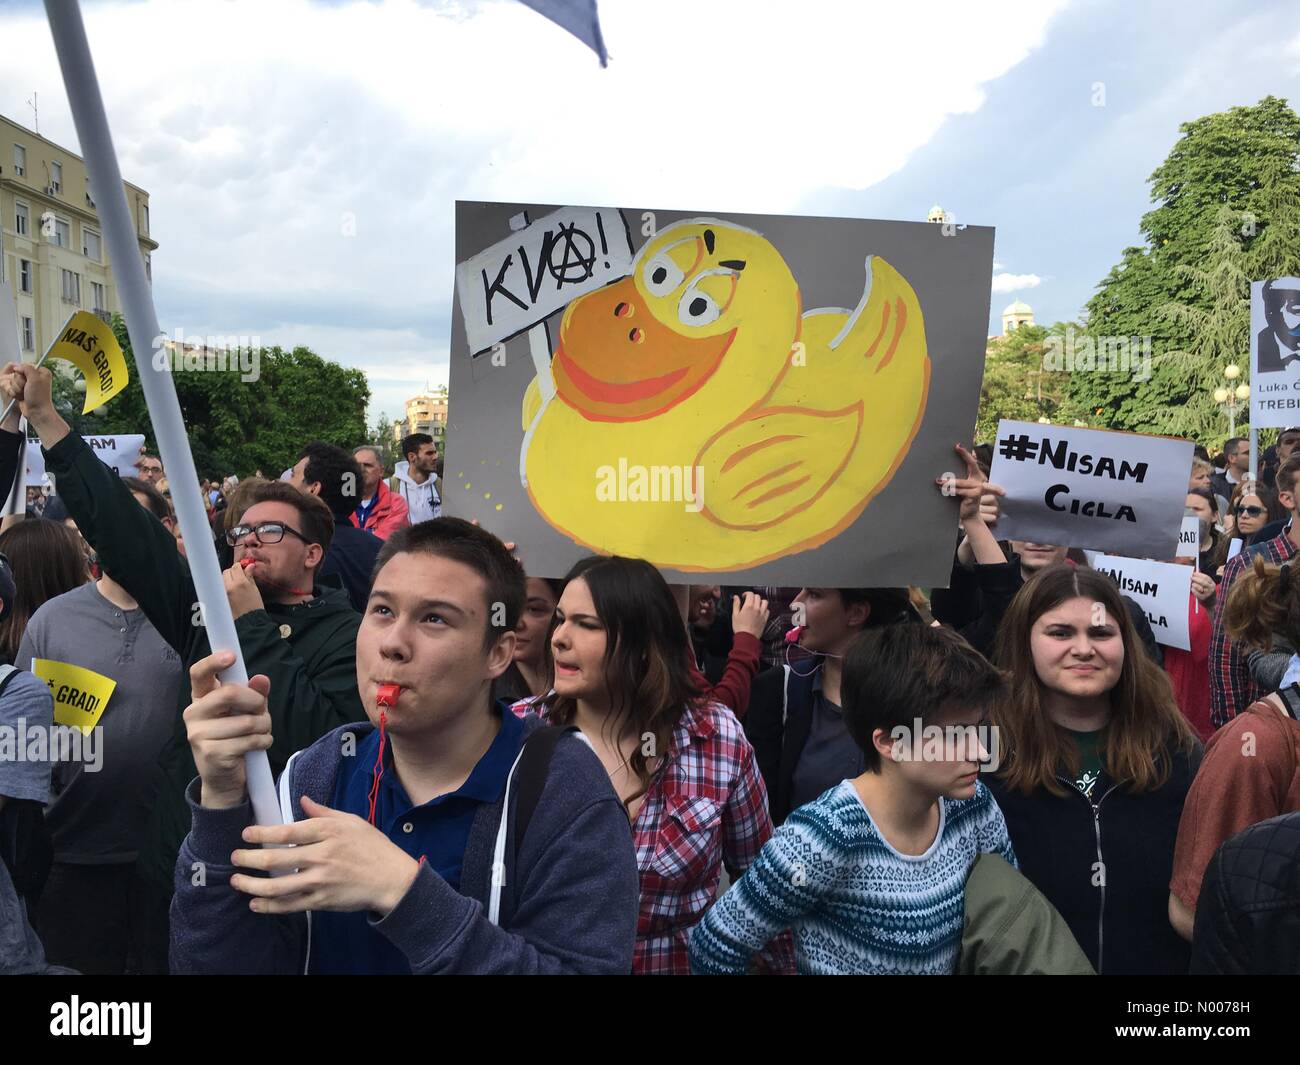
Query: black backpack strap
column 531, row 773
column 1290, row 695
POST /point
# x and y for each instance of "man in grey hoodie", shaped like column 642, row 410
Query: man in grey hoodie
column 415, row 479
column 442, row 836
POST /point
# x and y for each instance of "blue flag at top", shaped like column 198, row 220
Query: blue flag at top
column 578, row 17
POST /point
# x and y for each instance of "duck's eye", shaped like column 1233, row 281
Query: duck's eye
column 662, row 275
column 697, row 307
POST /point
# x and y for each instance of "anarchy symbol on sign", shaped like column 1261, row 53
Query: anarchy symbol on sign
column 575, row 266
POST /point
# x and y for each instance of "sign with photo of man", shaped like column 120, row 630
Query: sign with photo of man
column 1275, row 352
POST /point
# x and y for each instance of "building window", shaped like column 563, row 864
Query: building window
column 71, row 287
column 97, row 297
column 20, row 219
column 144, row 218
column 20, row 160
column 148, row 266
column 62, row 233
column 90, row 244
column 25, row 276
column 29, row 336
column 56, row 177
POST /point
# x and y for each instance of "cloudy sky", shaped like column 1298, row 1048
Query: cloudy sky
column 303, row 157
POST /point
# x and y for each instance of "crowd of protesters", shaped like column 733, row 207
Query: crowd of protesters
column 483, row 771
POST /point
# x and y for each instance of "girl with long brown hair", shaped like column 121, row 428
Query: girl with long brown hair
column 1251, row 769
column 680, row 763
column 47, row 560
column 1098, row 760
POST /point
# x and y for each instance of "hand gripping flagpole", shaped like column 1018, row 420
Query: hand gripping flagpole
column 87, row 104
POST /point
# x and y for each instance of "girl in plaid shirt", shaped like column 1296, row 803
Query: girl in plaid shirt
column 680, row 764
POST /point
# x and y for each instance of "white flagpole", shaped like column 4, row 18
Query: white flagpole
column 159, row 391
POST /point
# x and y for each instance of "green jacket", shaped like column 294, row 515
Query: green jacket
column 308, row 650
column 1011, row 929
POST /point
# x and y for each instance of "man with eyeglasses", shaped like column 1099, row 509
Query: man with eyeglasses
column 151, row 469
column 298, row 632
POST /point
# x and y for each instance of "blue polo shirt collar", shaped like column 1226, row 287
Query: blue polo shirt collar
column 485, row 783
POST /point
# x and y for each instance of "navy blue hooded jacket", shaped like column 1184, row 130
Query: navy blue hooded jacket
column 568, row 903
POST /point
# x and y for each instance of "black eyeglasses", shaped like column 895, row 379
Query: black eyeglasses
column 267, row 532
column 1249, row 512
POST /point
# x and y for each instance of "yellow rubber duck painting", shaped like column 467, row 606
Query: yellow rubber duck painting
column 698, row 417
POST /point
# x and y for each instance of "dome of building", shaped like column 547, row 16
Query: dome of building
column 1019, row 307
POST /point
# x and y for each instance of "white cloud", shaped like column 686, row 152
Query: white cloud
column 265, row 133
column 1015, row 282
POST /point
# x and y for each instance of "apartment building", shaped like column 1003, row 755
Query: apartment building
column 52, row 249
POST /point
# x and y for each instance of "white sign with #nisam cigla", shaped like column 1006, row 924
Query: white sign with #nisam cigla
column 1118, row 492
column 1189, row 537
column 1159, row 588
column 536, row 271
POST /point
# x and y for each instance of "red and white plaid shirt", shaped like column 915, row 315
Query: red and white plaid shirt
column 706, row 807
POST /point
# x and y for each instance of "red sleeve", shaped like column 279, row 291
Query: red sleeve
column 1242, row 780
column 732, row 691
column 398, row 516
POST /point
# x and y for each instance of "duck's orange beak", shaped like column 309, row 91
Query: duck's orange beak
column 617, row 362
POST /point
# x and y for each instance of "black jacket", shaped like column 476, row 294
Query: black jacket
column 777, row 726
column 1248, row 912
column 307, row 649
column 976, row 600
column 1106, row 867
column 351, row 558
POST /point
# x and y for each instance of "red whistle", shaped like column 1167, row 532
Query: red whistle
column 793, row 635
column 246, row 562
column 387, row 694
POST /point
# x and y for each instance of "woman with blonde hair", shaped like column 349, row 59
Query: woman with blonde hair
column 1096, row 761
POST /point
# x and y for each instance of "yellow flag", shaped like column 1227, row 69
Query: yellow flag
column 89, row 344
column 80, row 695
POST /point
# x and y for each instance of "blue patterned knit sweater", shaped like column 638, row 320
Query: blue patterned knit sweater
column 855, row 904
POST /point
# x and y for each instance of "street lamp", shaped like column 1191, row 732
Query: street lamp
column 1229, row 396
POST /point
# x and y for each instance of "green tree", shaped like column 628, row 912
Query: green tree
column 1274, row 222
column 237, row 426
column 1017, row 385
column 1218, row 322
column 1243, row 160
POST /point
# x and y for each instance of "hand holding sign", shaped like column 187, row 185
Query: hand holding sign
column 1203, row 587
column 32, row 386
column 974, row 490
column 91, row 347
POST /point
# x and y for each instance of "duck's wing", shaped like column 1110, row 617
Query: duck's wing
column 776, row 462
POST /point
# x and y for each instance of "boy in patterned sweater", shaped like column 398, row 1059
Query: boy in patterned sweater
column 871, row 876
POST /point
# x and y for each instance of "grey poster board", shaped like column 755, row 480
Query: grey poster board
column 825, row 475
